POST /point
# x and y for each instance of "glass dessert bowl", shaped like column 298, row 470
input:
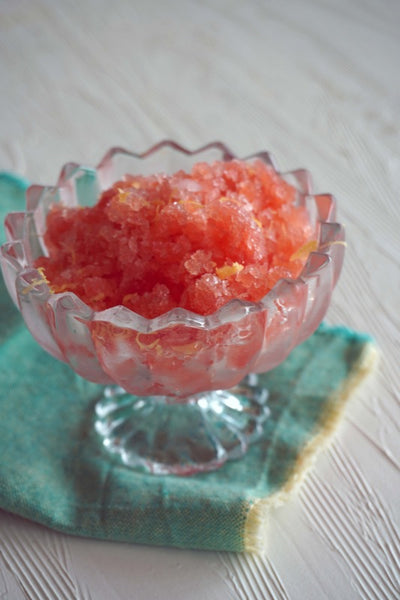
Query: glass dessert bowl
column 181, row 391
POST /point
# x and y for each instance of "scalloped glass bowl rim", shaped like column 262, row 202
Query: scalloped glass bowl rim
column 233, row 310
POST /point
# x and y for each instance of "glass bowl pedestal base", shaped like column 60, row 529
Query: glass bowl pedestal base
column 182, row 436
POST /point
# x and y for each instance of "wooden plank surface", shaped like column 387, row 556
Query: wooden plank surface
column 317, row 83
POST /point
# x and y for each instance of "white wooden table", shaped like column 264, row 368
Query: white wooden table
column 315, row 81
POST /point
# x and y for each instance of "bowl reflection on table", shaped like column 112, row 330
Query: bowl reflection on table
column 179, row 359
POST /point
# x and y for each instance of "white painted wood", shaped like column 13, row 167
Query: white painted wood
column 315, row 81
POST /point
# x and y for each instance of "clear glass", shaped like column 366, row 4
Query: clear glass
column 181, row 391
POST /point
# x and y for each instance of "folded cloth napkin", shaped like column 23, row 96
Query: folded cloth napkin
column 53, row 469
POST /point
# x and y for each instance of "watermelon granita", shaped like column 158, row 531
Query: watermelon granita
column 192, row 240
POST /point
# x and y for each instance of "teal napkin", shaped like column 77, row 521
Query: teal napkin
column 54, row 470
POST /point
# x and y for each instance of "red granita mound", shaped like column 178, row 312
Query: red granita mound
column 195, row 240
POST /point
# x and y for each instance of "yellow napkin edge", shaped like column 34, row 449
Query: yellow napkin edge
column 255, row 529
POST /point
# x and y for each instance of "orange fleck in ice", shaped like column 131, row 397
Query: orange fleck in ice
column 305, row 250
column 228, row 270
column 194, row 240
